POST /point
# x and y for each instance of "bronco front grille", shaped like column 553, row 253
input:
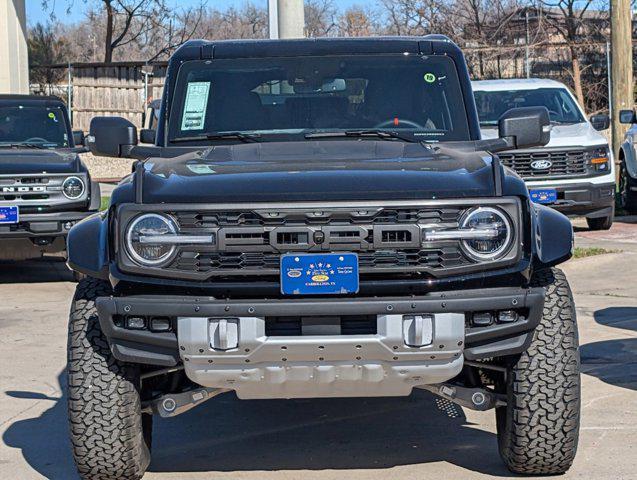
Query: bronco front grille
column 546, row 164
column 389, row 238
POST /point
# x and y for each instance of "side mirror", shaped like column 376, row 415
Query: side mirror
column 600, row 122
column 78, row 138
column 525, row 127
column 147, row 135
column 627, row 117
column 111, row 137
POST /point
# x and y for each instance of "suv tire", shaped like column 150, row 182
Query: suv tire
column 109, row 434
column 627, row 197
column 538, row 429
column 601, row 223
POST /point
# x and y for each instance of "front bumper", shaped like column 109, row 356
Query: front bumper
column 380, row 364
column 42, row 225
column 588, row 199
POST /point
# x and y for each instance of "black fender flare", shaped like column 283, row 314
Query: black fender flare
column 552, row 236
column 87, row 246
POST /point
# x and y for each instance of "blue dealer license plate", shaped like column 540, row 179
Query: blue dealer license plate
column 319, row 274
column 543, row 195
column 9, row 215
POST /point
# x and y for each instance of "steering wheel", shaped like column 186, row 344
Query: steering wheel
column 401, row 123
column 36, row 139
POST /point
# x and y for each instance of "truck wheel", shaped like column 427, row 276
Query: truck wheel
column 601, row 223
column 627, row 197
column 538, row 429
column 109, row 434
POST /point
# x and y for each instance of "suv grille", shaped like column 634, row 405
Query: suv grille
column 563, row 163
column 251, row 242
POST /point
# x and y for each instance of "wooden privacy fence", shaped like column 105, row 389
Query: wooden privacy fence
column 121, row 88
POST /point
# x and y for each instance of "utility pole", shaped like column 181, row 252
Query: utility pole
column 623, row 97
column 286, row 19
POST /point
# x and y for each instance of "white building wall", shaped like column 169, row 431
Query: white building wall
column 14, row 69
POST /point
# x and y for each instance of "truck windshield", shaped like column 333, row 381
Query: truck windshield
column 562, row 108
column 35, row 126
column 292, row 98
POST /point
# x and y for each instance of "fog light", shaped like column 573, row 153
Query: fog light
column 507, row 316
column 482, row 319
column 160, row 324
column 135, row 323
column 68, row 225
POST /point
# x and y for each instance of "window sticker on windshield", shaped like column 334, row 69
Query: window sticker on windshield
column 195, row 106
column 429, row 77
column 53, row 117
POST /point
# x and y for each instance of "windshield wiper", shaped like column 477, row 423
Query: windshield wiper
column 23, row 145
column 244, row 137
column 384, row 134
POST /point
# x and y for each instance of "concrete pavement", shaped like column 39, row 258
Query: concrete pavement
column 404, row 438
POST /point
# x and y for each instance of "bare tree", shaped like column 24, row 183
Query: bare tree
column 358, row 21
column 417, row 17
column 46, row 47
column 320, row 18
column 576, row 24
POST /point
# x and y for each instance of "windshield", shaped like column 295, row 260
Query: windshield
column 38, row 126
column 562, row 108
column 287, row 98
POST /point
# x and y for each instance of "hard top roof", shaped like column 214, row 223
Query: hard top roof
column 515, row 84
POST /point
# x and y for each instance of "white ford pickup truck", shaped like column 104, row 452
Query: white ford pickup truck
column 575, row 172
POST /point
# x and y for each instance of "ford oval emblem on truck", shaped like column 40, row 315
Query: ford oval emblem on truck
column 541, row 164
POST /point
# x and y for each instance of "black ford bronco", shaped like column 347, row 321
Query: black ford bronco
column 320, row 218
column 44, row 186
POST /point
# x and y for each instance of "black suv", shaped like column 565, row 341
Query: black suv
column 44, row 186
column 320, row 218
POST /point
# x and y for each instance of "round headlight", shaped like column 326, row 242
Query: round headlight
column 496, row 230
column 143, row 239
column 73, row 188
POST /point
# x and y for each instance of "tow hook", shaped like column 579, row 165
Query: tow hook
column 173, row 404
column 473, row 398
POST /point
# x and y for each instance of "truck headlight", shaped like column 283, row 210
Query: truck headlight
column 599, row 159
column 73, row 188
column 144, row 239
column 491, row 231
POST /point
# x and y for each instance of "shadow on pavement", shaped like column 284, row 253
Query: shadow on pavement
column 226, row 434
column 613, row 361
column 49, row 269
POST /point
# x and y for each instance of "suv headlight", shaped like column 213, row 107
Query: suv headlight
column 491, row 230
column 73, row 188
column 144, row 239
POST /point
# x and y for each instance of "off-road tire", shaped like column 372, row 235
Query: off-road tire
column 538, row 429
column 109, row 434
column 601, row 223
column 627, row 199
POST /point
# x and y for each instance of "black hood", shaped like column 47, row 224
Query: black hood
column 23, row 161
column 318, row 170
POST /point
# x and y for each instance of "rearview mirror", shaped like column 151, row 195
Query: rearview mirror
column 525, row 127
column 78, row 138
column 111, row 137
column 600, row 122
column 627, row 117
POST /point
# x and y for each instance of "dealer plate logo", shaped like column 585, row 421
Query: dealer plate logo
column 541, row 164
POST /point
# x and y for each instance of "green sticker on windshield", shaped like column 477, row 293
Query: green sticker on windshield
column 52, row 116
column 429, row 77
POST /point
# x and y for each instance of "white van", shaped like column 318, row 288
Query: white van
column 575, row 172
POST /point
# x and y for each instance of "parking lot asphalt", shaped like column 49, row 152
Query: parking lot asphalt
column 397, row 438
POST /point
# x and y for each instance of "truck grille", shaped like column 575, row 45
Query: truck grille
column 36, row 193
column 563, row 163
column 388, row 238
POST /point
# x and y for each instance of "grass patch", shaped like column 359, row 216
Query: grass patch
column 582, row 252
column 105, row 202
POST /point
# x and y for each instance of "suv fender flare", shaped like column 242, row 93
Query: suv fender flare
column 552, row 236
column 87, row 246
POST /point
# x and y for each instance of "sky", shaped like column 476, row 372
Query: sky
column 36, row 13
